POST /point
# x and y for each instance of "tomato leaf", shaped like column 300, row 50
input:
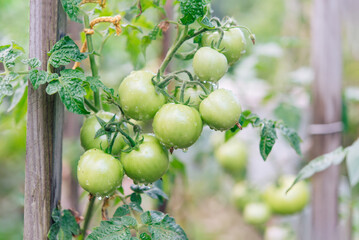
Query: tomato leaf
column 206, row 23
column 114, row 229
column 161, row 226
column 96, row 84
column 319, row 164
column 9, row 53
column 65, row 51
column 122, row 211
column 37, row 78
column 6, row 89
column 353, row 163
column 72, row 9
column 268, row 138
column 64, row 226
column 136, row 201
column 145, row 236
column 32, row 62
column 69, row 86
column 192, row 10
column 291, row 136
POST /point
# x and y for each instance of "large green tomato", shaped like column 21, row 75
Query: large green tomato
column 287, row 203
column 191, row 93
column 220, row 110
column 209, row 65
column 148, row 163
column 138, row 97
column 89, row 129
column 99, row 173
column 256, row 213
column 177, row 125
column 233, row 43
column 232, row 156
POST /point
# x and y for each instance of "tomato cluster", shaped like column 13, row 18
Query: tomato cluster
column 178, row 118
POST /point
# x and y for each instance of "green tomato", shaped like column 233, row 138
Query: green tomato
column 287, row 203
column 209, row 65
column 138, row 97
column 89, row 129
column 233, row 43
column 279, row 233
column 99, row 173
column 232, row 156
column 148, row 163
column 256, row 213
column 220, row 110
column 191, row 93
column 177, row 125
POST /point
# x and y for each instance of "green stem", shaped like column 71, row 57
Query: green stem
column 171, row 52
column 88, row 216
column 91, row 106
column 19, row 72
column 48, row 67
column 93, row 65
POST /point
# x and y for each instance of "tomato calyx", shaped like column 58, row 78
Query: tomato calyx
column 112, row 128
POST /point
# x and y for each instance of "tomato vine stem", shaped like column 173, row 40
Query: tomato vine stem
column 93, row 65
column 91, row 106
column 88, row 216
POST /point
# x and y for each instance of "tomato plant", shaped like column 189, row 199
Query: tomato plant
column 256, row 213
column 90, row 128
column 114, row 141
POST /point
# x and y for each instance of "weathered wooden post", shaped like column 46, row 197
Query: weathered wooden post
column 327, row 87
column 44, row 126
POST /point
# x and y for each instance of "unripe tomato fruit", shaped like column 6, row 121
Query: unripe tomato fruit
column 138, row 97
column 148, row 163
column 177, row 125
column 99, row 173
column 232, row 156
column 287, row 203
column 233, row 42
column 89, row 129
column 209, row 65
column 220, row 110
column 256, row 213
column 191, row 93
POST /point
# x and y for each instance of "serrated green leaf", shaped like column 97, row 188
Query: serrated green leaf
column 72, row 9
column 156, row 193
column 162, row 226
column 114, row 229
column 9, row 53
column 37, row 78
column 32, row 62
column 353, row 163
column 5, row 90
column 10, row 77
column 65, row 51
column 319, row 164
column 268, row 138
column 206, row 23
column 122, row 211
column 136, row 201
column 192, row 10
column 292, row 137
column 64, row 226
column 69, row 86
column 96, row 84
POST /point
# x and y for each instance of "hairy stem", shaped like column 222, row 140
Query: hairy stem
column 93, row 65
column 91, row 106
column 171, row 52
column 88, row 216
